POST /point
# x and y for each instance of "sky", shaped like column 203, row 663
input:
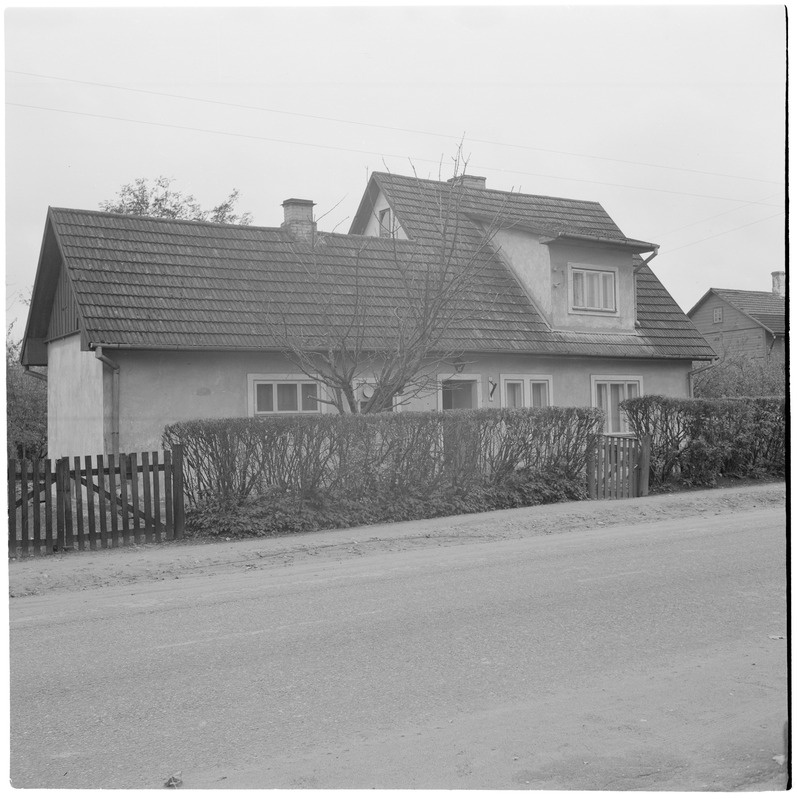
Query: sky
column 672, row 117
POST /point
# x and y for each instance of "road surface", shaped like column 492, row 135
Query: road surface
column 648, row 657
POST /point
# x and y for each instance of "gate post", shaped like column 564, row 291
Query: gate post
column 177, row 490
column 644, row 464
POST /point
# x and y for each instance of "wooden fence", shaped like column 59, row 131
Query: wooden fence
column 89, row 503
column 618, row 467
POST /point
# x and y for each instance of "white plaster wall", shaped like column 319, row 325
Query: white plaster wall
column 74, row 400
column 372, row 227
column 562, row 318
column 571, row 377
column 159, row 388
column 530, row 262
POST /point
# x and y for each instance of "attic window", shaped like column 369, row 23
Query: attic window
column 717, row 315
column 385, row 224
column 592, row 290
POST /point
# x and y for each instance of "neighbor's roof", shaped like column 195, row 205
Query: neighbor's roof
column 417, row 203
column 764, row 307
column 161, row 283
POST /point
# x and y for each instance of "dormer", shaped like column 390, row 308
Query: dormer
column 379, row 219
column 593, row 283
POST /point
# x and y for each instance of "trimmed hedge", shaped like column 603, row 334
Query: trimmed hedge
column 272, row 475
column 696, row 441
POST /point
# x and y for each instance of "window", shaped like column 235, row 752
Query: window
column 459, row 391
column 592, row 290
column 526, row 391
column 539, row 393
column 608, row 391
column 385, row 224
column 717, row 315
column 282, row 394
column 514, row 393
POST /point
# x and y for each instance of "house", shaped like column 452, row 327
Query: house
column 143, row 322
column 748, row 323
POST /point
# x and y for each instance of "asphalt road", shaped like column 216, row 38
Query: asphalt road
column 641, row 657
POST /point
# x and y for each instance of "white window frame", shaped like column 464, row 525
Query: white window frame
column 718, row 315
column 595, row 379
column 527, row 381
column 477, row 378
column 253, row 380
column 572, row 268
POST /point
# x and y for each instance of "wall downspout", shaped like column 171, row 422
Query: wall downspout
column 98, row 353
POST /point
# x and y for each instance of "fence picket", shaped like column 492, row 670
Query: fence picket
column 78, row 483
column 177, row 490
column 101, row 502
column 37, row 533
column 145, row 484
column 89, row 483
column 48, row 507
column 156, row 497
column 12, row 507
column 23, row 482
column 112, row 541
column 124, row 471
column 133, row 461
column 167, row 491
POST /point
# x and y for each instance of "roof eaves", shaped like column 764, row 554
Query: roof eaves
column 635, row 245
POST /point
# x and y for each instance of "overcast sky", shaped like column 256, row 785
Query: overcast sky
column 672, row 117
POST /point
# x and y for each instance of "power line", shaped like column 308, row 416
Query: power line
column 715, row 216
column 372, row 152
column 724, row 233
column 388, row 127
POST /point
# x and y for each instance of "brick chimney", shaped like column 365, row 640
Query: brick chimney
column 779, row 283
column 469, row 181
column 299, row 218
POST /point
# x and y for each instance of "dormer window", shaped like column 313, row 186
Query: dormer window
column 385, row 224
column 593, row 290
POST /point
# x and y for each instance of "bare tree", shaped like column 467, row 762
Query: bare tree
column 395, row 333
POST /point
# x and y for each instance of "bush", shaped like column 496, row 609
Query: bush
column 273, row 475
column 742, row 376
column 697, row 441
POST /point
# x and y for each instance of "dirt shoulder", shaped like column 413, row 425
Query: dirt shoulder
column 79, row 571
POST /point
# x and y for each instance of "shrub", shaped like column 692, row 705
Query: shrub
column 696, row 441
column 266, row 476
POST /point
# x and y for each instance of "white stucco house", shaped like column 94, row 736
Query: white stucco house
column 142, row 322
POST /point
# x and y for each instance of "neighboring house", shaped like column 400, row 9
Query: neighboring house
column 749, row 323
column 143, row 322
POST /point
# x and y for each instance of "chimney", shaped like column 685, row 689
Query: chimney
column 779, row 283
column 469, row 181
column 299, row 218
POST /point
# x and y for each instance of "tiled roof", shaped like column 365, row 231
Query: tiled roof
column 417, row 203
column 765, row 307
column 162, row 283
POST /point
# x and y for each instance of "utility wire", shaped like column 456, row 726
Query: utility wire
column 724, row 233
column 371, row 152
column 388, row 127
column 721, row 213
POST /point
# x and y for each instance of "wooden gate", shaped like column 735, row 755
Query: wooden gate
column 618, row 467
column 88, row 503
